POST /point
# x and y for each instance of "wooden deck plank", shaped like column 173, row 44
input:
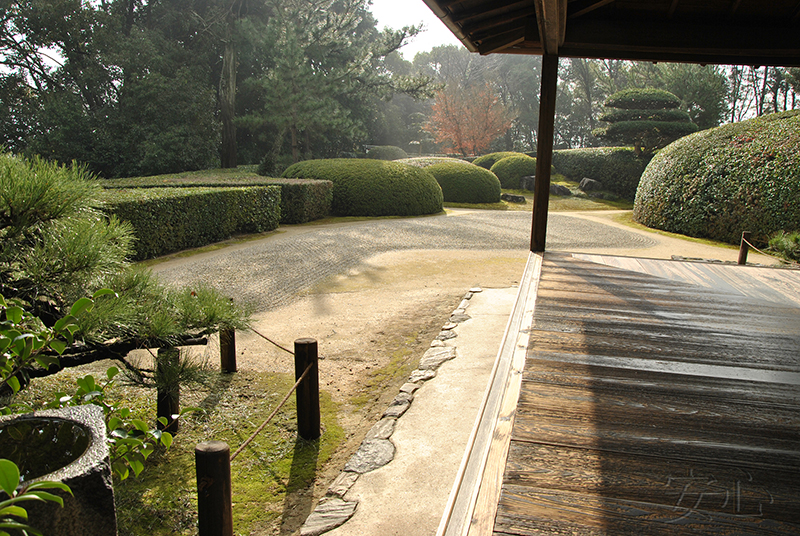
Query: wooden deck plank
column 656, row 405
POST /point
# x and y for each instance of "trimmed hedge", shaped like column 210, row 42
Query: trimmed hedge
column 463, row 182
column 725, row 180
column 617, row 168
column 618, row 114
column 425, row 161
column 512, row 168
column 488, row 160
column 166, row 220
column 642, row 99
column 386, row 152
column 301, row 201
column 373, row 187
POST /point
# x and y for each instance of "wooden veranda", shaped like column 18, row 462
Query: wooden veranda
column 637, row 396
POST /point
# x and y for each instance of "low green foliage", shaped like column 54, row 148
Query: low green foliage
column 301, row 200
column 14, row 517
column 488, row 160
column 425, row 161
column 617, row 168
column 463, row 182
column 787, row 245
column 512, row 168
column 722, row 181
column 165, row 220
column 386, row 152
column 373, row 187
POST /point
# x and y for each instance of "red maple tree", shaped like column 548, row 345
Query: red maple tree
column 468, row 120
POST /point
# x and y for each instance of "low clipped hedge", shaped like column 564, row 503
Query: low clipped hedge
column 373, row 187
column 386, row 152
column 642, row 99
column 425, row 161
column 512, row 168
column 301, row 201
column 725, row 180
column 166, row 220
column 463, row 182
column 488, row 160
column 617, row 168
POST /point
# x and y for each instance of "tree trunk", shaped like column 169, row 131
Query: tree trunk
column 227, row 98
column 168, row 397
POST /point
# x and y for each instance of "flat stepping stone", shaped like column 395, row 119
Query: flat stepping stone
column 446, row 335
column 382, row 429
column 342, row 484
column 421, row 376
column 329, row 514
column 371, row 455
column 436, row 356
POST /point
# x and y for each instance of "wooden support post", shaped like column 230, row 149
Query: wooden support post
column 214, row 510
column 168, row 390
column 308, row 421
column 744, row 247
column 544, row 151
column 227, row 349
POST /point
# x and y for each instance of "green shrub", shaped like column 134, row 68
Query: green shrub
column 166, row 220
column 512, row 168
column 787, row 245
column 617, row 168
column 373, row 187
column 488, row 160
column 301, row 201
column 722, row 181
column 463, row 182
column 425, row 161
column 642, row 99
column 386, row 152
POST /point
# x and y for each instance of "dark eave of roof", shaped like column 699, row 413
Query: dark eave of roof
column 746, row 32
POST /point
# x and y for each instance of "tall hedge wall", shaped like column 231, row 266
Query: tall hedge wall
column 725, row 180
column 618, row 168
column 301, row 200
column 373, row 187
column 166, row 220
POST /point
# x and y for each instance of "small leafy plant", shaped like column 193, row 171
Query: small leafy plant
column 12, row 515
column 787, row 245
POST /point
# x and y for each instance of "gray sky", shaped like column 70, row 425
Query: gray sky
column 398, row 13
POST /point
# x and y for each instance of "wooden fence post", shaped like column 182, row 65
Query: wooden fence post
column 227, row 349
column 308, row 420
column 214, row 510
column 744, row 247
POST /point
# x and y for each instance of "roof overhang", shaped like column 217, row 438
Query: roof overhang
column 743, row 32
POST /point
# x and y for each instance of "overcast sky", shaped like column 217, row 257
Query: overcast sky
column 398, row 13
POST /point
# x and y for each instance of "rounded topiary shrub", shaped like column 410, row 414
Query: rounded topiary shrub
column 373, row 187
column 512, row 168
column 386, row 152
column 463, row 182
column 725, row 180
column 488, row 160
column 425, row 161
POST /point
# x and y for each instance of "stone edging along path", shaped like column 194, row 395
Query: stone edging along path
column 377, row 449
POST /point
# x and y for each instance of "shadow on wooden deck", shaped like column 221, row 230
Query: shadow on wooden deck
column 651, row 404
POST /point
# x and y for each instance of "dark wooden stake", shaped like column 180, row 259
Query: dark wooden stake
column 544, row 151
column 227, row 349
column 214, row 510
column 744, row 247
column 308, row 421
column 168, row 395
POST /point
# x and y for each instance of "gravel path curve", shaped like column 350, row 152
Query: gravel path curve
column 270, row 272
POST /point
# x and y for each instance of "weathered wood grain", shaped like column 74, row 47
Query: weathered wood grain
column 665, row 404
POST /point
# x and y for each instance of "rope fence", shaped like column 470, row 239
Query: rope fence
column 781, row 259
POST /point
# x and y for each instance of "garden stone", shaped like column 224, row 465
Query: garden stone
column 559, row 189
column 382, row 429
column 396, row 410
column 464, row 304
column 460, row 317
column 372, row 454
column 475, row 290
column 512, row 198
column 409, row 388
column 449, row 325
column 527, row 182
column 342, row 484
column 436, row 343
column 436, row 356
column 329, row 514
column 421, row 375
column 588, row 185
column 447, row 335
